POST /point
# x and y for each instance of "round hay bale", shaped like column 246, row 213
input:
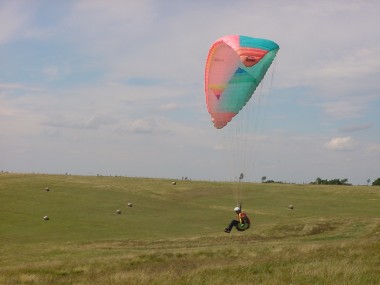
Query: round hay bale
column 46, row 218
column 174, row 183
column 118, row 212
column 129, row 204
column 47, row 189
column 290, row 207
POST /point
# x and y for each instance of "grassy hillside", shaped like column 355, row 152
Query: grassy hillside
column 173, row 234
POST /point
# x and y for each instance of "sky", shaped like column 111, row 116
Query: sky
column 114, row 87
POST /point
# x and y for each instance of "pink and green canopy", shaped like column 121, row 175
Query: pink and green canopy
column 235, row 67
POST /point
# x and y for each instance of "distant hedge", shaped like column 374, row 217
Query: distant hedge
column 376, row 182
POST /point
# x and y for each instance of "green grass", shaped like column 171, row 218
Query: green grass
column 173, row 234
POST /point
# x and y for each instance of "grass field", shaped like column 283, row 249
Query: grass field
column 173, row 234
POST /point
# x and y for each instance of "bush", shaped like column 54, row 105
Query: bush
column 331, row 182
column 376, row 182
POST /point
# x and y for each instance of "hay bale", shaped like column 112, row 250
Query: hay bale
column 47, row 189
column 118, row 212
column 174, row 183
column 129, row 204
column 46, row 218
column 290, row 207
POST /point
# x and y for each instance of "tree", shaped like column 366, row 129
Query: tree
column 335, row 181
column 263, row 179
column 376, row 182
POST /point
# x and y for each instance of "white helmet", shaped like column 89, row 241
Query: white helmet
column 237, row 209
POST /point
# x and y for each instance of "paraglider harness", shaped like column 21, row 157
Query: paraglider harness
column 244, row 222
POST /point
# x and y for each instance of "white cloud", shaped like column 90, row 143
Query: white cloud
column 100, row 27
column 340, row 144
column 13, row 19
column 148, row 126
column 6, row 111
column 168, row 107
column 51, row 71
column 349, row 107
column 374, row 149
column 351, row 64
column 18, row 86
column 91, row 123
column 356, row 128
column 142, row 126
column 219, row 147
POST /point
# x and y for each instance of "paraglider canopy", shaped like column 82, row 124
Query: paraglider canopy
column 235, row 67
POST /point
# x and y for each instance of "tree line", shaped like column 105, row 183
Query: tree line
column 320, row 181
column 335, row 181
